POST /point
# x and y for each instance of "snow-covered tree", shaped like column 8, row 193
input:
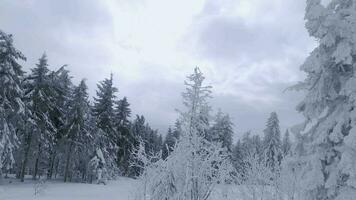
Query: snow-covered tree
column 125, row 143
column 122, row 113
column 329, row 134
column 104, row 106
column 195, row 99
column 77, row 130
column 62, row 84
column 195, row 165
column 105, row 116
column 40, row 96
column 237, row 157
column 259, row 181
column 222, row 130
column 272, row 142
column 286, row 144
column 137, row 131
column 11, row 105
column 168, row 144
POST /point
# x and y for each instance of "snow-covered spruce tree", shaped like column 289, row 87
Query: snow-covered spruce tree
column 171, row 139
column 122, row 124
column 123, row 113
column 272, row 142
column 77, row 131
column 61, row 81
column 286, row 144
column 168, row 144
column 40, row 99
column 329, row 106
column 153, row 141
column 245, row 148
column 237, row 158
column 222, row 130
column 11, row 105
column 195, row 165
column 103, row 110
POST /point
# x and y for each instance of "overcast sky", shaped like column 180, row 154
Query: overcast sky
column 249, row 51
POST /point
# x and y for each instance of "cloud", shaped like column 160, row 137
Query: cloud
column 249, row 50
column 255, row 49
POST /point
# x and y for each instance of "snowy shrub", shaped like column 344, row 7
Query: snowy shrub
column 260, row 180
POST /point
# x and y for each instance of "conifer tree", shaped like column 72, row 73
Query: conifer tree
column 168, row 144
column 272, row 142
column 125, row 143
column 11, row 105
column 196, row 164
column 222, row 130
column 61, row 81
column 286, row 144
column 40, row 94
column 104, row 112
column 77, row 130
column 329, row 133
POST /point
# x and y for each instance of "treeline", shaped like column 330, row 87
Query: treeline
column 49, row 127
column 269, row 150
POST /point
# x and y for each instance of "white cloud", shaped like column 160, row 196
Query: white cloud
column 249, row 49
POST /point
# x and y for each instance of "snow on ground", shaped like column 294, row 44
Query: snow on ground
column 121, row 189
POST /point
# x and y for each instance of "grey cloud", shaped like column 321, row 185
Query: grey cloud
column 56, row 27
column 231, row 42
column 247, row 117
column 77, row 33
column 231, row 39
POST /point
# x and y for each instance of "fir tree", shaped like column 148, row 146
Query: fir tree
column 125, row 143
column 77, row 131
column 11, row 105
column 168, row 144
column 329, row 133
column 104, row 106
column 40, row 94
column 105, row 119
column 286, row 144
column 222, row 130
column 272, row 142
column 196, row 164
column 61, row 81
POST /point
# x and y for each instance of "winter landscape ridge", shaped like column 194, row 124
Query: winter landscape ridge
column 59, row 140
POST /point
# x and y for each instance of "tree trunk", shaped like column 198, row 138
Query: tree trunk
column 37, row 162
column 66, row 173
column 56, row 169
column 51, row 165
column 25, row 161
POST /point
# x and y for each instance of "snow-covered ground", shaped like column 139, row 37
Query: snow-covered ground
column 121, row 189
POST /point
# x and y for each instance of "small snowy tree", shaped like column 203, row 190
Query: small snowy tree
column 168, row 143
column 272, row 142
column 286, row 144
column 260, row 181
